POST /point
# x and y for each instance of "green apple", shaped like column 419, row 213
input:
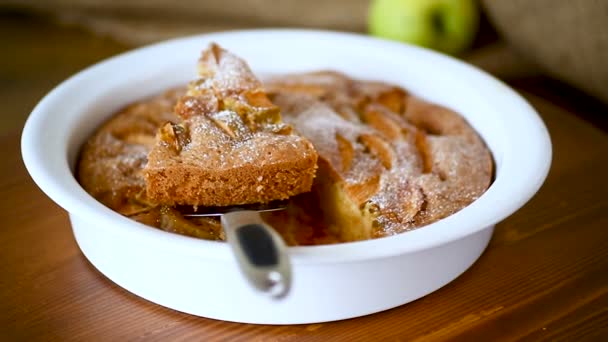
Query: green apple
column 445, row 25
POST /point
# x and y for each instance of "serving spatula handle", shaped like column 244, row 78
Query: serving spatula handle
column 260, row 252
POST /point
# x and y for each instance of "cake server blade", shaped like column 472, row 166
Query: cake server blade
column 219, row 211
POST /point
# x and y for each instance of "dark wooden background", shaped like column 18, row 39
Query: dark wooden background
column 544, row 275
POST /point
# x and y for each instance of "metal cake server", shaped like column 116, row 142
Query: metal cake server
column 259, row 250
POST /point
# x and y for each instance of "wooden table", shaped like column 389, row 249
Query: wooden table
column 543, row 276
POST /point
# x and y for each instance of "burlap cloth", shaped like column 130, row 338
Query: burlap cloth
column 567, row 39
column 139, row 22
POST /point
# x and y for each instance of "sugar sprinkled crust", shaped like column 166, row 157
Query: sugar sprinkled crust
column 111, row 161
column 388, row 161
column 231, row 147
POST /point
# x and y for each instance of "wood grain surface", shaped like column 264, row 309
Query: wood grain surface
column 544, row 275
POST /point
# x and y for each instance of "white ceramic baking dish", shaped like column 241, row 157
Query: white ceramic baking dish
column 329, row 282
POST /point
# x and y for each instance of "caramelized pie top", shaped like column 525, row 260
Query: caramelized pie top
column 230, row 146
column 388, row 161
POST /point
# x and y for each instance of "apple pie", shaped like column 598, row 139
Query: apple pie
column 357, row 159
column 230, row 146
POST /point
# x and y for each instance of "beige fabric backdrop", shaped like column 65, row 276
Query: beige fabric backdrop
column 138, row 22
column 568, row 39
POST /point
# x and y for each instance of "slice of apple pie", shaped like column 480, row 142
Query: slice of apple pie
column 231, row 146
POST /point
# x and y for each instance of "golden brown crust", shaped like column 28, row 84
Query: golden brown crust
column 111, row 161
column 388, row 161
column 231, row 147
column 111, row 165
column 263, row 168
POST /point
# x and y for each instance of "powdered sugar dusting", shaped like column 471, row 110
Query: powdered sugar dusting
column 415, row 164
column 409, row 195
column 229, row 73
column 238, row 132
